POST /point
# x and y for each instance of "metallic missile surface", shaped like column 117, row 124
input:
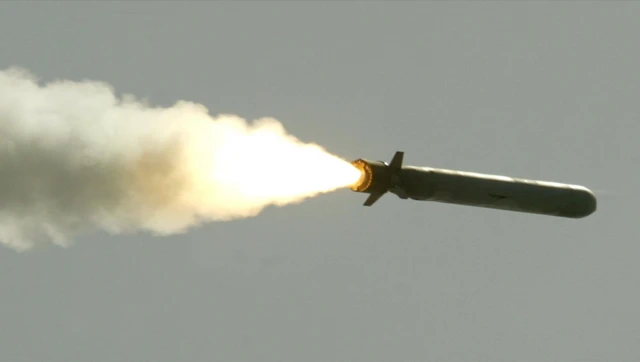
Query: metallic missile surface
column 471, row 189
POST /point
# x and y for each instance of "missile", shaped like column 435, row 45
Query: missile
column 471, row 189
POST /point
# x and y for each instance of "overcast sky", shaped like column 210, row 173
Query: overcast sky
column 536, row 90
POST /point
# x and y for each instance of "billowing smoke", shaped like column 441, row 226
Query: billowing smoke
column 74, row 157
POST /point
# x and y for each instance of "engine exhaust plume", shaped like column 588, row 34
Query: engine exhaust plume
column 74, row 156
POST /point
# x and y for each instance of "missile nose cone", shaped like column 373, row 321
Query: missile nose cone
column 590, row 203
column 584, row 204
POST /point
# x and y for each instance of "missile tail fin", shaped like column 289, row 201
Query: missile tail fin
column 373, row 198
column 396, row 161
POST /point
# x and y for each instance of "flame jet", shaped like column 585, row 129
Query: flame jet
column 471, row 189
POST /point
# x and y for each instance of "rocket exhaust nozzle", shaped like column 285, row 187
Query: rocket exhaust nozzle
column 377, row 177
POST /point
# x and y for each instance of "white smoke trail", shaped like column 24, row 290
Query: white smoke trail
column 73, row 156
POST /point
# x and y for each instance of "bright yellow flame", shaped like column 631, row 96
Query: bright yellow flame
column 247, row 167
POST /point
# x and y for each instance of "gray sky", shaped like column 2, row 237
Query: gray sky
column 537, row 90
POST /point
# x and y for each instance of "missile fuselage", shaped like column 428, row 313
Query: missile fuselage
column 472, row 189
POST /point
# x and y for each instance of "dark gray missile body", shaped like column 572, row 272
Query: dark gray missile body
column 472, row 189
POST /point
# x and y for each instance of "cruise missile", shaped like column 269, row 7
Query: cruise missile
column 471, row 189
